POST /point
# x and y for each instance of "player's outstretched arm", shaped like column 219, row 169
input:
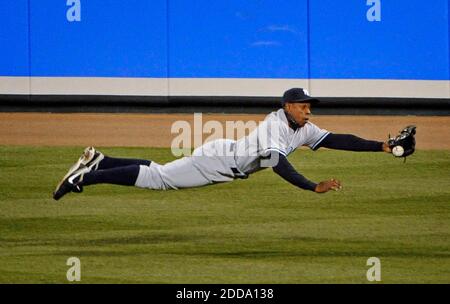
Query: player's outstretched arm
column 350, row 142
column 284, row 169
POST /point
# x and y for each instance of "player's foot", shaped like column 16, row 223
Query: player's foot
column 91, row 158
column 88, row 161
column 71, row 183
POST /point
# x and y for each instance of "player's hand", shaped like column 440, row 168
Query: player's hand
column 325, row 186
column 386, row 148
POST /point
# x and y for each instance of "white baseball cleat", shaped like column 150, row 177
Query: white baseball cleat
column 71, row 184
column 91, row 158
column 87, row 162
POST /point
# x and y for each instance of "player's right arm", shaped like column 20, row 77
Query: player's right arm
column 284, row 169
column 349, row 142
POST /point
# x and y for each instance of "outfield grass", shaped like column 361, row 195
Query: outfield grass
column 260, row 230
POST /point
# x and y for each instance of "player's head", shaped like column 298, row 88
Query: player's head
column 297, row 103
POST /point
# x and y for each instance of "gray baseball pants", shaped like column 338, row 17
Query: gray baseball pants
column 209, row 164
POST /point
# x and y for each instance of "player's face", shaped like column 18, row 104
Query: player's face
column 301, row 112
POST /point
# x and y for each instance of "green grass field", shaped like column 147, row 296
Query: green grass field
column 260, row 230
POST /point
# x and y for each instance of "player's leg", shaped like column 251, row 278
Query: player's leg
column 186, row 172
column 178, row 174
column 95, row 161
column 204, row 167
column 113, row 162
column 125, row 176
column 108, row 162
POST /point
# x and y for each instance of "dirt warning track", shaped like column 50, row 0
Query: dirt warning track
column 154, row 130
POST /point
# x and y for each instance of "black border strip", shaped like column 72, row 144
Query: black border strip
column 227, row 104
column 221, row 100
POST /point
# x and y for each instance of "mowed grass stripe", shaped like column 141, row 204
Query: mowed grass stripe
column 260, row 230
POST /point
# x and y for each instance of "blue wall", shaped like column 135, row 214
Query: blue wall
column 251, row 39
column 220, row 39
column 114, row 38
column 14, row 49
column 410, row 42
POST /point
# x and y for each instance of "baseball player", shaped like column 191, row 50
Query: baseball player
column 224, row 160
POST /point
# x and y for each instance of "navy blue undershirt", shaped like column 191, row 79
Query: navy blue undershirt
column 350, row 142
column 346, row 142
column 288, row 173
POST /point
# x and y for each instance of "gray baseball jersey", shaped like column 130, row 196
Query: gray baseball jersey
column 224, row 160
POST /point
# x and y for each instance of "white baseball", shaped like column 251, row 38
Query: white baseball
column 398, row 151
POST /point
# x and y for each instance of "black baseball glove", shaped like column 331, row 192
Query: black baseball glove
column 403, row 144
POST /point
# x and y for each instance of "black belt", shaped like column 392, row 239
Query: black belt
column 238, row 174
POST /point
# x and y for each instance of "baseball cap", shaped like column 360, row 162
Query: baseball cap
column 298, row 95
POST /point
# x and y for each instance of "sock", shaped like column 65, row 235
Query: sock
column 111, row 162
column 125, row 176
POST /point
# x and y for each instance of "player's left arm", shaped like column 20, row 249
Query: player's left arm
column 351, row 142
column 283, row 168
